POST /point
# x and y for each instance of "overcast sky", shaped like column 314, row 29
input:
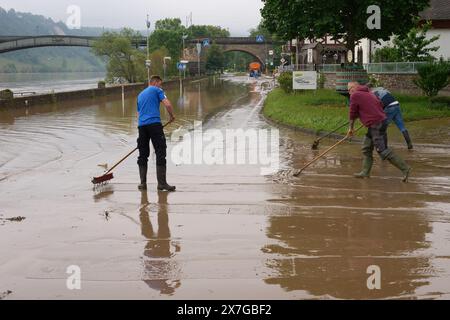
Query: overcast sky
column 237, row 15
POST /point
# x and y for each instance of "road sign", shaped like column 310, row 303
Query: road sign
column 181, row 66
column 206, row 43
column 271, row 52
column 148, row 63
column 260, row 38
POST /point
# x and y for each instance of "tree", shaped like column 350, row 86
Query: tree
column 157, row 58
column 215, row 60
column 433, row 77
column 415, row 46
column 206, row 31
column 169, row 24
column 343, row 19
column 124, row 61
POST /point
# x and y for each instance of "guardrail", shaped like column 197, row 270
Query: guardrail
column 387, row 67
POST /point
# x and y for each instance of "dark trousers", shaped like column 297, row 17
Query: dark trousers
column 155, row 133
column 376, row 138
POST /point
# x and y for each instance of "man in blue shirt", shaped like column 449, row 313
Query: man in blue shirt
column 151, row 128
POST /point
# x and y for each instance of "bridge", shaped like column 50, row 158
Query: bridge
column 259, row 50
column 14, row 43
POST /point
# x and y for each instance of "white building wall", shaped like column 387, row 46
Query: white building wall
column 443, row 43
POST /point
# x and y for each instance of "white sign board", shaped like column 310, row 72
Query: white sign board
column 304, row 80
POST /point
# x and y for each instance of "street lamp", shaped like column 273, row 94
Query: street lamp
column 148, row 63
column 165, row 65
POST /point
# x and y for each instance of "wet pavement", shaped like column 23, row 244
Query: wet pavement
column 229, row 232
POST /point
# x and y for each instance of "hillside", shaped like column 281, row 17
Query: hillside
column 70, row 59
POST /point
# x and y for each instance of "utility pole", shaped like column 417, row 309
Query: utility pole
column 199, row 52
column 148, row 62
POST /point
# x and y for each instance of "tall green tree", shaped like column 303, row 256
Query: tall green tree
column 124, row 61
column 215, row 60
column 172, row 24
column 206, row 31
column 343, row 19
column 416, row 46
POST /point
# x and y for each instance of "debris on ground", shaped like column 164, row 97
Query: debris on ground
column 3, row 295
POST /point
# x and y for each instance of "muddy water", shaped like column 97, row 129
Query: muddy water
column 229, row 232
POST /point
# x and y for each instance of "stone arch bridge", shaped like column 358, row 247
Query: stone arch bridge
column 259, row 50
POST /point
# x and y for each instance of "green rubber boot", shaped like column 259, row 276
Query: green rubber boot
column 367, row 168
column 399, row 163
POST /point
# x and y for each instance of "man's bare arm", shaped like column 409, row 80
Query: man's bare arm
column 169, row 108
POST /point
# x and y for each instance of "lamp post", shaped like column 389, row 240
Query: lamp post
column 148, row 62
column 165, row 66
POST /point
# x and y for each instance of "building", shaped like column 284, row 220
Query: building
column 439, row 15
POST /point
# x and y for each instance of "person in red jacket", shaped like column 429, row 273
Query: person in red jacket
column 369, row 109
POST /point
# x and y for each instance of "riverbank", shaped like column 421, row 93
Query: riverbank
column 325, row 110
column 49, row 98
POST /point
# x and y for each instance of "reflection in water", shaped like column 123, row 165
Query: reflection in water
column 159, row 268
column 335, row 227
column 341, row 249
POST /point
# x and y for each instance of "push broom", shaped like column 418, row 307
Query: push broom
column 108, row 176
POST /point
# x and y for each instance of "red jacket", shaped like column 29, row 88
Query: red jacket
column 367, row 107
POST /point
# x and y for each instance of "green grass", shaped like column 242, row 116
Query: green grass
column 325, row 110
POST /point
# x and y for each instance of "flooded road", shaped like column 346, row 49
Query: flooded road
column 228, row 232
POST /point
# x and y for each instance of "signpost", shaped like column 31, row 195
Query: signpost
column 260, row 38
column 199, row 52
column 304, row 80
column 206, row 43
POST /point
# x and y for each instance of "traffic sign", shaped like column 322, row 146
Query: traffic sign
column 260, row 38
column 181, row 66
column 206, row 43
column 271, row 52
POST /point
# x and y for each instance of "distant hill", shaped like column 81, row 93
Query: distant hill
column 70, row 59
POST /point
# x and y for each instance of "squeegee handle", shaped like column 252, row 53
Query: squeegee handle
column 325, row 153
column 332, row 132
column 128, row 155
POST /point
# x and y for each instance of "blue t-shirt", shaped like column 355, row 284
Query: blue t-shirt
column 148, row 104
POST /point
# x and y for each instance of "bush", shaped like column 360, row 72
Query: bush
column 441, row 100
column 6, row 94
column 374, row 82
column 101, row 84
column 433, row 77
column 285, row 81
column 322, row 80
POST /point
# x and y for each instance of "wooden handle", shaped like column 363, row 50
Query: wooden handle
column 334, row 131
column 324, row 153
column 128, row 155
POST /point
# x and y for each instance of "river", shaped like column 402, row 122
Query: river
column 229, row 232
column 49, row 82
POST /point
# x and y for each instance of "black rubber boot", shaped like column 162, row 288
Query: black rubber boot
column 408, row 140
column 367, row 168
column 143, row 175
column 161, row 172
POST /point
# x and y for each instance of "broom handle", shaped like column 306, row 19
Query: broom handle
column 325, row 153
column 329, row 134
column 128, row 155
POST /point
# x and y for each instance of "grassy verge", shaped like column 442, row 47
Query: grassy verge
column 325, row 110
